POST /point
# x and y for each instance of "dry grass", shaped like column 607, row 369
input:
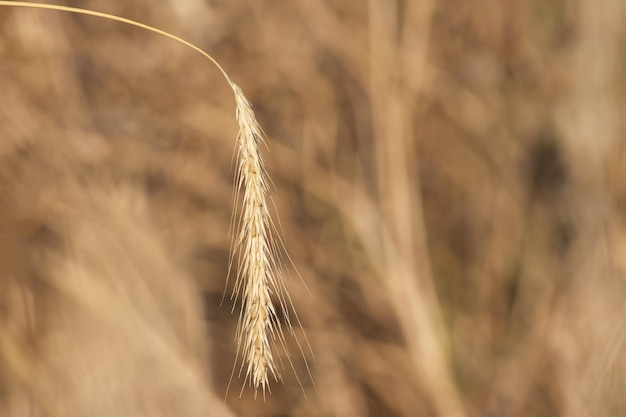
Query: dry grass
column 111, row 303
column 256, row 247
column 451, row 188
column 259, row 273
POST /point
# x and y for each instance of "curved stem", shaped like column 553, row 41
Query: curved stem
column 131, row 22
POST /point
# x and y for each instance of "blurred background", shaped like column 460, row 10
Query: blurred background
column 450, row 178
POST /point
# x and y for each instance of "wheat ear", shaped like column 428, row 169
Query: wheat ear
column 258, row 271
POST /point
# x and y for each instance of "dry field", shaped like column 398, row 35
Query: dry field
column 450, row 178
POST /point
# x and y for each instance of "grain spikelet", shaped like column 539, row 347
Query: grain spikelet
column 257, row 272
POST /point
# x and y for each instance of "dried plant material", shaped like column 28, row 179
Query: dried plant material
column 256, row 244
column 257, row 268
column 122, row 332
column 257, row 247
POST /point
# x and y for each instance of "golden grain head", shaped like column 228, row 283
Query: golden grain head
column 258, row 274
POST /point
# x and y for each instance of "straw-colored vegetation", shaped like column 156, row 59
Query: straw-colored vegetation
column 450, row 179
column 256, row 245
column 257, row 253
